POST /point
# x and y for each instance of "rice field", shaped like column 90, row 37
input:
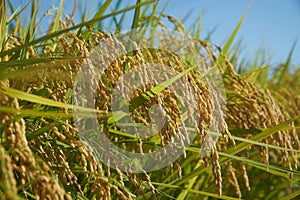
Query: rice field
column 203, row 127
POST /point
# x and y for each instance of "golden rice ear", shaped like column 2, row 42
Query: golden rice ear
column 216, row 169
column 249, row 107
column 8, row 186
column 233, row 179
column 36, row 172
column 23, row 162
column 287, row 93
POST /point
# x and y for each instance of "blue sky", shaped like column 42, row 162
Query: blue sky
column 273, row 24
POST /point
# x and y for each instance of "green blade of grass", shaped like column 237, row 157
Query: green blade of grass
column 32, row 26
column 86, row 15
column 134, row 27
column 292, row 196
column 250, row 141
column 141, row 99
column 136, row 15
column 183, row 195
column 195, row 191
column 118, row 24
column 46, row 114
column 232, row 36
column 41, row 100
column 151, row 19
column 4, row 65
column 197, row 35
column 286, row 65
column 58, row 17
column 161, row 14
column 3, row 25
column 16, row 13
column 98, row 15
column 275, row 170
column 235, row 31
column 35, row 113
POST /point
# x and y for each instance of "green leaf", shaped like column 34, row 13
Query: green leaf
column 195, row 191
column 287, row 63
column 3, row 25
column 235, row 31
column 41, row 100
column 232, row 36
column 32, row 26
column 136, row 15
column 292, row 196
column 140, row 100
column 250, row 141
column 5, row 65
column 275, row 170
column 35, row 113
column 34, row 134
column 16, row 13
column 98, row 15
column 58, row 17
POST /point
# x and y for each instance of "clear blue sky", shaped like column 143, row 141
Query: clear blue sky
column 275, row 24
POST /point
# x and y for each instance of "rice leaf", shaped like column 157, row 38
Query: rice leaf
column 136, row 15
column 285, row 69
column 58, row 17
column 250, row 141
column 41, row 100
column 292, row 196
column 32, row 25
column 5, row 65
column 3, row 25
column 16, row 13
column 140, row 100
column 194, row 191
column 275, row 170
column 235, row 31
column 35, row 113
column 98, row 15
column 229, row 42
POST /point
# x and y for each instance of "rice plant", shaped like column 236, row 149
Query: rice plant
column 44, row 157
